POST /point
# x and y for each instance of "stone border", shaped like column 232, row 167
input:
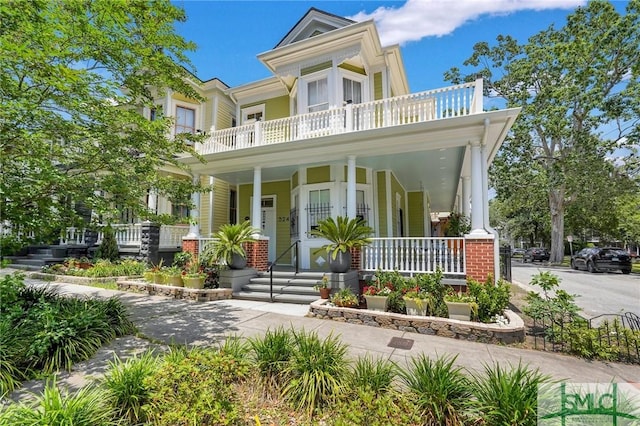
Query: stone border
column 183, row 293
column 445, row 327
column 72, row 279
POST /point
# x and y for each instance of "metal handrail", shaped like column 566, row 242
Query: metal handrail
column 274, row 263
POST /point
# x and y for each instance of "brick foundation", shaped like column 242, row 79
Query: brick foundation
column 479, row 258
column 190, row 246
column 356, row 259
column 258, row 254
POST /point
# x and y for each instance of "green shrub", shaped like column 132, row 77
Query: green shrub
column 108, row 248
column 87, row 407
column 432, row 284
column 317, row 371
column 126, row 385
column 439, row 388
column 271, row 353
column 492, row 299
column 373, row 375
column 366, row 408
column 507, row 396
column 11, row 343
column 194, row 387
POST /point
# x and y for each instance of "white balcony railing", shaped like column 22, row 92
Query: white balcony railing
column 453, row 101
column 171, row 235
column 415, row 255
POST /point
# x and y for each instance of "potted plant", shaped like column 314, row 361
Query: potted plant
column 228, row 246
column 323, row 287
column 193, row 277
column 461, row 306
column 343, row 234
column 345, row 298
column 377, row 296
column 173, row 276
column 418, row 302
column 156, row 270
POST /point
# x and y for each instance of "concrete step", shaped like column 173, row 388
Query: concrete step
column 281, row 298
column 280, row 289
column 301, row 282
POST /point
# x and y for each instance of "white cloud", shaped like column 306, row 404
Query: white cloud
column 417, row 19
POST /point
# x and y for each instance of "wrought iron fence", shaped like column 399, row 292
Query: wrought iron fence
column 613, row 337
column 505, row 263
column 316, row 213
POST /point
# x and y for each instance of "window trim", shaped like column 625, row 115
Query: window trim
column 195, row 118
column 354, row 76
column 245, row 112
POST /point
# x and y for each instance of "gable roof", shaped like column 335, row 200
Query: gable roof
column 314, row 22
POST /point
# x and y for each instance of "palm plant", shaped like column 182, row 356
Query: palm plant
column 440, row 388
column 229, row 242
column 343, row 233
column 507, row 396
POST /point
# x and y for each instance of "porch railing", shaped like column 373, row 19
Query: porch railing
column 415, row 255
column 453, row 101
column 129, row 234
column 171, row 235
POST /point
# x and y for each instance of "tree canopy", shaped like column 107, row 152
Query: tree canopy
column 579, row 90
column 75, row 78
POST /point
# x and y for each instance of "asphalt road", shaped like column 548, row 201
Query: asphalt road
column 600, row 293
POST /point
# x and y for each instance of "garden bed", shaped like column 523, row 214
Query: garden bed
column 184, row 293
column 73, row 279
column 464, row 330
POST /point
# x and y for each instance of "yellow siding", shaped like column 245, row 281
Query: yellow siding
column 274, row 108
column 294, row 180
column 396, row 188
column 315, row 68
column 352, row 68
column 361, row 175
column 183, row 98
column 220, row 204
column 415, row 215
column 382, row 202
column 318, row 174
column 203, row 220
column 377, row 86
column 225, row 114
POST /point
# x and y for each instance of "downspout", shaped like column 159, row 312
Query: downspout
column 485, row 204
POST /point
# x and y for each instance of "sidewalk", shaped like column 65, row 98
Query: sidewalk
column 166, row 320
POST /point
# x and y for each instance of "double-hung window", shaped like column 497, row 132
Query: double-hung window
column 351, row 91
column 185, row 120
column 318, row 95
column 319, row 207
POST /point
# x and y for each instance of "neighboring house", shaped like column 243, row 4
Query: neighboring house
column 336, row 131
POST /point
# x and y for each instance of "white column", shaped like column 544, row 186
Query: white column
column 194, row 227
column 152, row 202
column 477, row 209
column 256, row 206
column 466, row 193
column 351, row 187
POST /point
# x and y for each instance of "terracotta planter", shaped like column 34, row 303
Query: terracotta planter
column 459, row 310
column 190, row 282
column 325, row 292
column 417, row 307
column 377, row 303
column 174, row 280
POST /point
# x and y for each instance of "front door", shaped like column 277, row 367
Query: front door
column 269, row 224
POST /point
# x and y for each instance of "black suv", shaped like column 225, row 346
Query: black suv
column 536, row 253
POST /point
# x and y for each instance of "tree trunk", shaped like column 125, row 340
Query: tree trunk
column 556, row 206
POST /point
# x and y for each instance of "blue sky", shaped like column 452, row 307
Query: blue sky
column 434, row 34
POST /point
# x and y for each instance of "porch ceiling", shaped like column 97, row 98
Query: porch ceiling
column 426, row 155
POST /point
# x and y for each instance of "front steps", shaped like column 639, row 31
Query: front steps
column 288, row 287
column 35, row 260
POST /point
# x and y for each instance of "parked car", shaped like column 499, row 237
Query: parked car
column 536, row 253
column 517, row 252
column 596, row 259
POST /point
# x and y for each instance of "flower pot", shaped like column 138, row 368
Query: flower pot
column 341, row 263
column 149, row 276
column 174, row 280
column 193, row 282
column 377, row 303
column 417, row 307
column 325, row 292
column 158, row 278
column 459, row 310
column 238, row 262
